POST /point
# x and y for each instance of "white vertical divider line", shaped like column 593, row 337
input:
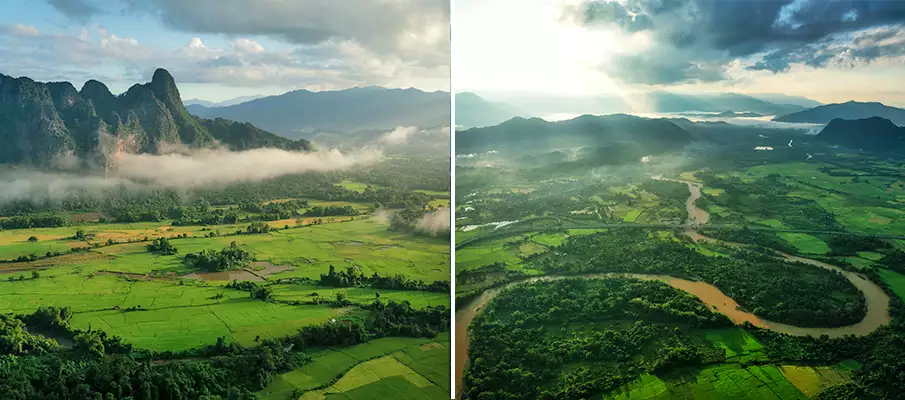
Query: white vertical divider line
column 452, row 202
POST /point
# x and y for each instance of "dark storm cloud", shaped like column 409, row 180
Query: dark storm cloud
column 775, row 33
column 866, row 46
column 79, row 10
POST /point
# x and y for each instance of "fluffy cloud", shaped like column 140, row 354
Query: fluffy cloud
column 415, row 31
column 324, row 44
column 240, row 62
column 696, row 40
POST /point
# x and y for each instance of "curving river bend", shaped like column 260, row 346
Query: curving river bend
column 876, row 300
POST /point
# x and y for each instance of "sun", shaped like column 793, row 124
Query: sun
column 525, row 46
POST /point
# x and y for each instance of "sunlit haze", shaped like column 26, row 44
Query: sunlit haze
column 572, row 47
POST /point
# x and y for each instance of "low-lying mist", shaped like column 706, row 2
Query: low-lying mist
column 434, row 223
column 176, row 166
column 136, row 173
column 217, row 167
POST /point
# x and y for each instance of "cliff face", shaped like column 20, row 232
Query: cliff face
column 40, row 122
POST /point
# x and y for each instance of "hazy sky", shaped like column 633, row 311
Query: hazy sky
column 827, row 50
column 220, row 49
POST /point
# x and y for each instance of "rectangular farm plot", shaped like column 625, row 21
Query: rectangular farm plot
column 330, row 364
column 180, row 328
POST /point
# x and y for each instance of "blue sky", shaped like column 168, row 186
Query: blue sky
column 220, row 49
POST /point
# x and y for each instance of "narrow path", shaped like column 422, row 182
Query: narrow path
column 876, row 299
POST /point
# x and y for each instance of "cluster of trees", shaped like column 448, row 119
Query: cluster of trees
column 36, row 220
column 34, row 275
column 353, row 277
column 523, row 342
column 257, row 227
column 255, row 291
column 229, row 258
column 162, row 246
column 748, row 236
column 275, row 210
column 330, row 211
column 881, row 354
column 410, row 220
column 801, row 295
column 16, row 340
column 49, row 254
column 850, row 245
column 406, row 174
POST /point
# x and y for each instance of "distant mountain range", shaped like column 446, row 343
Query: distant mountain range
column 615, row 138
column 779, row 98
column 478, row 112
column 719, row 102
column 300, row 113
column 871, row 134
column 224, row 103
column 849, row 110
column 473, row 111
column 40, row 122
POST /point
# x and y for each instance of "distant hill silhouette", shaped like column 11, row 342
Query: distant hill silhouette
column 474, row 111
column 40, row 122
column 779, row 98
column 872, row 134
column 231, row 102
column 653, row 102
column 295, row 114
column 617, row 138
column 714, row 102
column 849, row 110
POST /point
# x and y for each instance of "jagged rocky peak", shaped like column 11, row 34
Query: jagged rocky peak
column 164, row 87
column 95, row 89
column 39, row 121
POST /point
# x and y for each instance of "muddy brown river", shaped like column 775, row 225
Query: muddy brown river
column 876, row 300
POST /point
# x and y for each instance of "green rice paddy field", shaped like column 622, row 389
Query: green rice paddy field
column 389, row 368
column 737, row 378
column 180, row 312
column 872, row 204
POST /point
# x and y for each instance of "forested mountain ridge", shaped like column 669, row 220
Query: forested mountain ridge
column 40, row 122
column 643, row 134
column 873, row 134
column 848, row 110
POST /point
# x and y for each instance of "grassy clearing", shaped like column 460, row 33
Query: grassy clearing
column 372, row 365
column 689, row 176
column 895, row 280
column 485, row 253
column 805, row 243
column 727, row 381
column 357, row 186
column 528, row 249
column 550, row 239
column 361, row 296
column 181, row 328
column 813, row 380
column 740, row 346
